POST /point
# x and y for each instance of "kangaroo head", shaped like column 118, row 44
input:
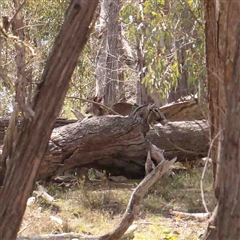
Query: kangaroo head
column 94, row 108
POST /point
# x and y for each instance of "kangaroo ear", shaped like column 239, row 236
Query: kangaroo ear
column 99, row 99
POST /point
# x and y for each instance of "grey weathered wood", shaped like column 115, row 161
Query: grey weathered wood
column 188, row 108
column 118, row 145
column 185, row 139
column 114, row 143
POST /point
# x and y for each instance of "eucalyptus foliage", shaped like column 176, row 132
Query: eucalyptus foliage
column 42, row 20
column 159, row 25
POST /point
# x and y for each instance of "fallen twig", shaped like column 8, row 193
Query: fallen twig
column 204, row 171
column 201, row 216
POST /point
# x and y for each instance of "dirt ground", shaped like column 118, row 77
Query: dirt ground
column 96, row 207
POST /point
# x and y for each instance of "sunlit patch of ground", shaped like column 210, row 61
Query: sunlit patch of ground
column 97, row 207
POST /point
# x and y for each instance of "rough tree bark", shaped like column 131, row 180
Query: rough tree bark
column 186, row 110
column 118, row 145
column 169, row 138
column 102, row 53
column 215, row 68
column 182, row 88
column 33, row 140
column 187, row 140
column 223, row 60
column 112, row 49
column 107, row 61
column 65, row 140
column 23, row 83
column 121, row 84
column 142, row 97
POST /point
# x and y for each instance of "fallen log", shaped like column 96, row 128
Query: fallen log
column 185, row 109
column 188, row 108
column 4, row 122
column 188, row 140
column 118, row 145
column 114, row 143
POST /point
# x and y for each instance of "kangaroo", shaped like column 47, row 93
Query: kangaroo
column 95, row 109
column 121, row 108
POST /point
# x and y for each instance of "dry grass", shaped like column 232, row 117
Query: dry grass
column 96, row 208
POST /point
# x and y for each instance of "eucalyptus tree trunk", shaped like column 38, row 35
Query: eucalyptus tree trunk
column 24, row 72
column 107, row 60
column 121, row 85
column 112, row 58
column 101, row 70
column 33, row 140
column 223, row 61
column 23, row 81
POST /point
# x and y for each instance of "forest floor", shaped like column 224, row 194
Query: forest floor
column 97, row 207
